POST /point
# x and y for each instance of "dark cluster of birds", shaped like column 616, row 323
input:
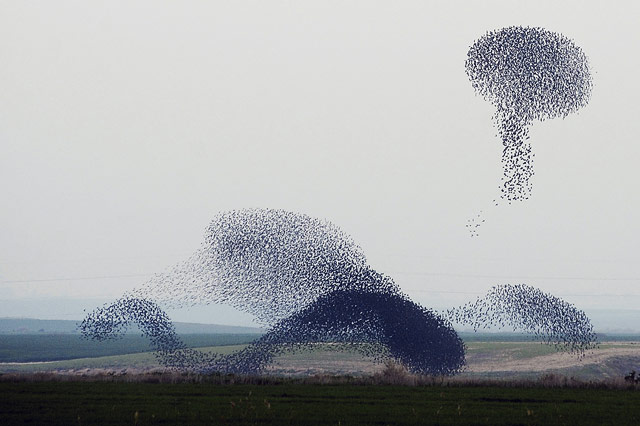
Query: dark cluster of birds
column 528, row 74
column 378, row 324
column 528, row 309
column 302, row 277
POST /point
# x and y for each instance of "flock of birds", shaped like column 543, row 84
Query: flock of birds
column 474, row 223
column 309, row 283
column 525, row 308
column 528, row 74
column 303, row 278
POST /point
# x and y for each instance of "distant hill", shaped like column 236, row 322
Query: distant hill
column 38, row 326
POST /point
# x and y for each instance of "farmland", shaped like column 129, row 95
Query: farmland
column 55, row 347
column 489, row 358
column 508, row 380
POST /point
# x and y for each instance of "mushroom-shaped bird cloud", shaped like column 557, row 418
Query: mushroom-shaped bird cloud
column 528, row 74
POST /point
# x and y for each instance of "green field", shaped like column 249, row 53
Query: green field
column 104, row 403
column 139, row 361
column 53, row 347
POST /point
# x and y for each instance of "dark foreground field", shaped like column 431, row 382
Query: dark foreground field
column 90, row 402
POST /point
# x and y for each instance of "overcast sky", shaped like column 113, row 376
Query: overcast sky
column 125, row 126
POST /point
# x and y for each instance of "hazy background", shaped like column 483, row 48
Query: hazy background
column 125, row 126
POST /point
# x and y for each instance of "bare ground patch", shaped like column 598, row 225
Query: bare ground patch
column 505, row 361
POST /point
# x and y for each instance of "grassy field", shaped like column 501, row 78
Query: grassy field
column 53, row 347
column 137, row 361
column 105, row 403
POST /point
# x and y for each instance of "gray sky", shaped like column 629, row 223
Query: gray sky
column 125, row 126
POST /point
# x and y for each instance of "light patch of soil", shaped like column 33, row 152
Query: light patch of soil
column 323, row 363
column 554, row 361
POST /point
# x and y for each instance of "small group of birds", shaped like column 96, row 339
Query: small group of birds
column 474, row 223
